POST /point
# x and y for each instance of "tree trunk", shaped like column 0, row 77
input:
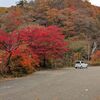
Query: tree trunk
column 94, row 47
column 8, row 62
column 44, row 62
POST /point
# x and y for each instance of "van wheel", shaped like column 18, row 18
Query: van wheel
column 75, row 67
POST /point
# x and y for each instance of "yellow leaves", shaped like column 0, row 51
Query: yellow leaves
column 3, row 10
column 52, row 13
column 77, row 56
column 41, row 5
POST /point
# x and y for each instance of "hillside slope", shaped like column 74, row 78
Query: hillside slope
column 73, row 16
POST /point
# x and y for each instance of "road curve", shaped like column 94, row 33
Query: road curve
column 65, row 84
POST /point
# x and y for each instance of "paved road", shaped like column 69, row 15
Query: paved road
column 65, row 84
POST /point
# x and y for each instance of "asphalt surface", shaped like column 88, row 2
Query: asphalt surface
column 65, row 84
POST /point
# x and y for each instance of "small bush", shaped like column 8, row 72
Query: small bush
column 22, row 62
column 95, row 58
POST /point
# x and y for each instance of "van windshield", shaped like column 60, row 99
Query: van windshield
column 77, row 62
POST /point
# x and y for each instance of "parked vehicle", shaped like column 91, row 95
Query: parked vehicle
column 80, row 64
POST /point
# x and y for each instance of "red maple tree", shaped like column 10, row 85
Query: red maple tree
column 46, row 42
column 9, row 43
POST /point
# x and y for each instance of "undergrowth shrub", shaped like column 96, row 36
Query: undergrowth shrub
column 95, row 58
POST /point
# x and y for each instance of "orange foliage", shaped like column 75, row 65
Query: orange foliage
column 29, row 60
column 95, row 58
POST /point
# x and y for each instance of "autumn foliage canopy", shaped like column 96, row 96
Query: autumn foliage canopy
column 45, row 41
column 33, row 44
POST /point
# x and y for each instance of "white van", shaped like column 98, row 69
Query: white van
column 80, row 64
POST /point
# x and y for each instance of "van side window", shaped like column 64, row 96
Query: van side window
column 82, row 62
